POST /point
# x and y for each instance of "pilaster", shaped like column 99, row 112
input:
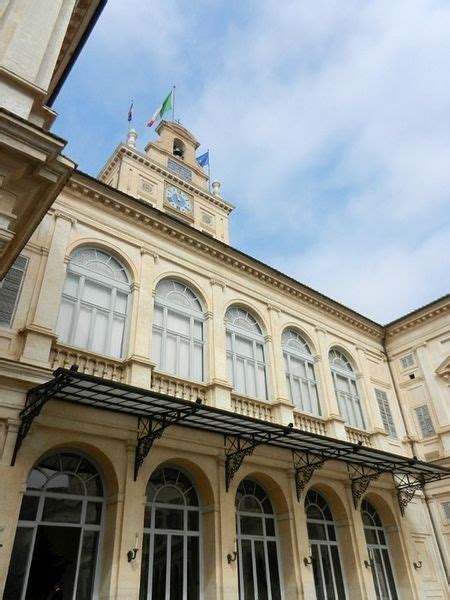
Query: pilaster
column 39, row 335
column 139, row 364
column 328, row 401
column 220, row 388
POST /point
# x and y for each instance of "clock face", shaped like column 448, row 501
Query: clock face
column 178, row 199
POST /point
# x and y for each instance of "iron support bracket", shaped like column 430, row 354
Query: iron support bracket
column 36, row 399
column 305, row 464
column 361, row 477
column 237, row 448
column 150, row 429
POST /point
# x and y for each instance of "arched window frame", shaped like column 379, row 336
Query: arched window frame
column 163, row 334
column 82, row 330
column 377, row 548
column 240, row 365
column 302, row 385
column 262, row 531
column 349, row 399
column 190, row 528
column 324, row 548
column 35, row 509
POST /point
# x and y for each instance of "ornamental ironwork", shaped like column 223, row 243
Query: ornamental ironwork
column 305, row 464
column 361, row 477
column 237, row 448
column 151, row 429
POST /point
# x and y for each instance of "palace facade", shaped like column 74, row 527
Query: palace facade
column 179, row 420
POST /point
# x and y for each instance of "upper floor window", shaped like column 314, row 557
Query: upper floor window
column 300, row 376
column 178, row 330
column 245, row 354
column 10, row 289
column 347, row 395
column 95, row 303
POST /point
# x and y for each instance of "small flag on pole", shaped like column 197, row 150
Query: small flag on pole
column 203, row 160
column 130, row 112
column 165, row 106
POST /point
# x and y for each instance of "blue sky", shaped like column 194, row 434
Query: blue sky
column 328, row 124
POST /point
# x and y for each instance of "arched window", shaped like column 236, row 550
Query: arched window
column 245, row 354
column 377, row 549
column 258, row 554
column 178, row 331
column 171, row 546
column 300, row 376
column 347, row 395
column 95, row 303
column 326, row 561
column 57, row 538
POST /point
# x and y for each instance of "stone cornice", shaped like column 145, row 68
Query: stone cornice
column 428, row 313
column 140, row 211
column 123, row 151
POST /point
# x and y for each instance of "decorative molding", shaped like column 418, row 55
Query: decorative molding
column 217, row 282
column 419, row 317
column 60, row 215
column 226, row 255
column 443, row 369
column 168, row 175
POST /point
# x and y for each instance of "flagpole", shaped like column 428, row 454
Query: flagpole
column 173, row 104
column 209, row 171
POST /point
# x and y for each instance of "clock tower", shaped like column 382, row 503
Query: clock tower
column 168, row 177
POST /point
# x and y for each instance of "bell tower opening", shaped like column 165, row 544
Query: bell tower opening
column 178, row 148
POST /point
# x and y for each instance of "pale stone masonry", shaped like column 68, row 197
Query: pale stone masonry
column 143, row 228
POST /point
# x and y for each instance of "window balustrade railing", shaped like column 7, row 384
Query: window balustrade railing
column 88, row 362
column 252, row 408
column 180, row 388
column 356, row 435
column 310, row 423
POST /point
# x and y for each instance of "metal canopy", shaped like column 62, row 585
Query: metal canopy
column 242, row 434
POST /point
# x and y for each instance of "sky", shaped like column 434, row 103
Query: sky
column 328, row 125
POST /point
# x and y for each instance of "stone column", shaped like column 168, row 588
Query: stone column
column 303, row 574
column 139, row 363
column 228, row 573
column 130, row 526
column 335, row 423
column 282, row 405
column 352, row 542
column 220, row 388
column 39, row 335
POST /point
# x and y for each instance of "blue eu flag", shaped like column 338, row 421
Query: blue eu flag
column 203, row 160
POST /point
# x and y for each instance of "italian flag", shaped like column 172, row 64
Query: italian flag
column 165, row 106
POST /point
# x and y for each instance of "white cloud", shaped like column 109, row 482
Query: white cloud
column 327, row 124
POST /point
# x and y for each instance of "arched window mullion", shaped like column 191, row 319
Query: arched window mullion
column 92, row 308
column 303, row 389
column 178, row 326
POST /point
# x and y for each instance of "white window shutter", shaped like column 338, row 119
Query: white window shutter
column 385, row 411
column 10, row 290
column 425, row 422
